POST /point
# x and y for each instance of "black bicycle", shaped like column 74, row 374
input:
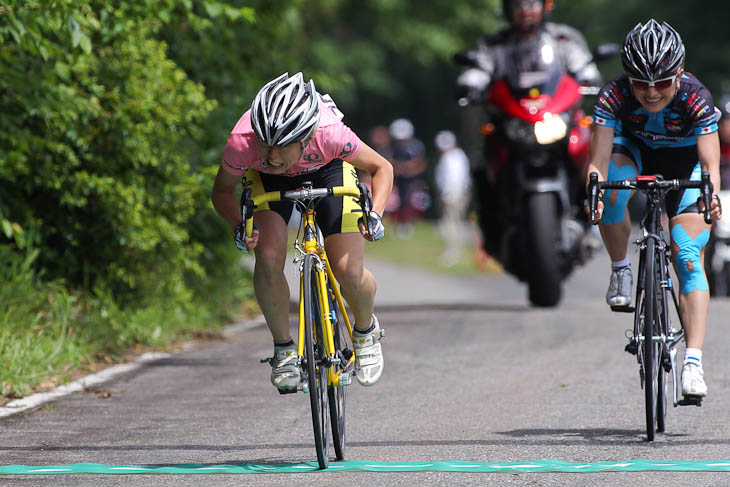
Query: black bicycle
column 654, row 340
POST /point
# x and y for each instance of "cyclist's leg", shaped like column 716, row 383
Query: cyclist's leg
column 690, row 235
column 345, row 253
column 345, row 249
column 270, row 284
column 615, row 225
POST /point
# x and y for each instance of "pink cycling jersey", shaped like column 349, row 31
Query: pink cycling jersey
column 333, row 140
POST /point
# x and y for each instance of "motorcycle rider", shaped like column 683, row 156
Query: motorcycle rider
column 527, row 32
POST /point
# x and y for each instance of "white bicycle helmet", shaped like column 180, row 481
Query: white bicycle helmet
column 285, row 110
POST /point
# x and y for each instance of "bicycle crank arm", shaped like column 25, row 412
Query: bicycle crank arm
column 675, row 385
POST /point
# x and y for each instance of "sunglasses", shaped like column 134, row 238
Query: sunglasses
column 659, row 84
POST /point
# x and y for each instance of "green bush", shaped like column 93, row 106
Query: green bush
column 97, row 132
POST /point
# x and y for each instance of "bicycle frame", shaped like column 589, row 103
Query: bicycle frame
column 313, row 244
column 652, row 234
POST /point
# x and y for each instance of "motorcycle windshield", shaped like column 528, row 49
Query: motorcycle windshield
column 533, row 64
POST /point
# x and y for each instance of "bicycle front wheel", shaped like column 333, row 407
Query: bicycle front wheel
column 336, row 393
column 314, row 357
column 662, row 329
column 650, row 348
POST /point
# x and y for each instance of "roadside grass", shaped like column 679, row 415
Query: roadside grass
column 50, row 335
column 424, row 249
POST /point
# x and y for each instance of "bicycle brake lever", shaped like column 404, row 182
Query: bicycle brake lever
column 366, row 203
column 706, row 196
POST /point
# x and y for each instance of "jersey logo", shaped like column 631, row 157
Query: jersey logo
column 312, row 157
column 347, row 150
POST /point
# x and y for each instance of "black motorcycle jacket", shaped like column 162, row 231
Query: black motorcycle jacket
column 495, row 54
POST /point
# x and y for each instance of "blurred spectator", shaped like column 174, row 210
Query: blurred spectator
column 453, row 183
column 379, row 140
column 409, row 167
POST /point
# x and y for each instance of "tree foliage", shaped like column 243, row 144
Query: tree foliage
column 98, row 126
column 113, row 115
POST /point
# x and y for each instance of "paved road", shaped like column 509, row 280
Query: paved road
column 473, row 374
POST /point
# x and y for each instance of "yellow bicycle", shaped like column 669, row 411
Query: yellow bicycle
column 325, row 349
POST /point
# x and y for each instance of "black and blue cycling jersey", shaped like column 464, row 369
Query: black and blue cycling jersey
column 690, row 113
column 658, row 143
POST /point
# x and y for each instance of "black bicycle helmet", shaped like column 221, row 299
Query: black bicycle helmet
column 652, row 51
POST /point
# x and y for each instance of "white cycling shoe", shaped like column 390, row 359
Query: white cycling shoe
column 693, row 381
column 285, row 371
column 619, row 287
column 368, row 355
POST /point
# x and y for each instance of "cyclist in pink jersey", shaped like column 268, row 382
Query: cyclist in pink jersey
column 293, row 134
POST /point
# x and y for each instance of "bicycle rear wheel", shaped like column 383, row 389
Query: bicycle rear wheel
column 314, row 357
column 650, row 348
column 337, row 393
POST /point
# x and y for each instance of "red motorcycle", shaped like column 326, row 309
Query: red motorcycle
column 536, row 141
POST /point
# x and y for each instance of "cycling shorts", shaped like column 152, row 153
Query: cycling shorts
column 335, row 214
column 671, row 163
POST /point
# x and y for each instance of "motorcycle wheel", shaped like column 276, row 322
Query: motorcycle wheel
column 544, row 231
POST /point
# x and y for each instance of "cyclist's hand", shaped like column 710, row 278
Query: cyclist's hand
column 377, row 230
column 715, row 207
column 243, row 242
column 599, row 211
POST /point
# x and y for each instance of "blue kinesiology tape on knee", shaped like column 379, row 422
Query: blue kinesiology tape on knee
column 616, row 212
column 690, row 196
column 689, row 252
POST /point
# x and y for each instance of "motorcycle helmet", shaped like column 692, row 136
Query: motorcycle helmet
column 652, row 51
column 285, row 110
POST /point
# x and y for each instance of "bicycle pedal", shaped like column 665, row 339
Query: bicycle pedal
column 689, row 400
column 622, row 309
column 287, row 391
column 632, row 348
column 266, row 360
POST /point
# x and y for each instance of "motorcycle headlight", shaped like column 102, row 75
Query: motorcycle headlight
column 551, row 129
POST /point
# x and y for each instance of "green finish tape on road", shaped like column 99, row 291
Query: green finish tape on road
column 541, row 466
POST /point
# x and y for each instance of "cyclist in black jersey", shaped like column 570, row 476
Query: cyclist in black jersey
column 657, row 119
